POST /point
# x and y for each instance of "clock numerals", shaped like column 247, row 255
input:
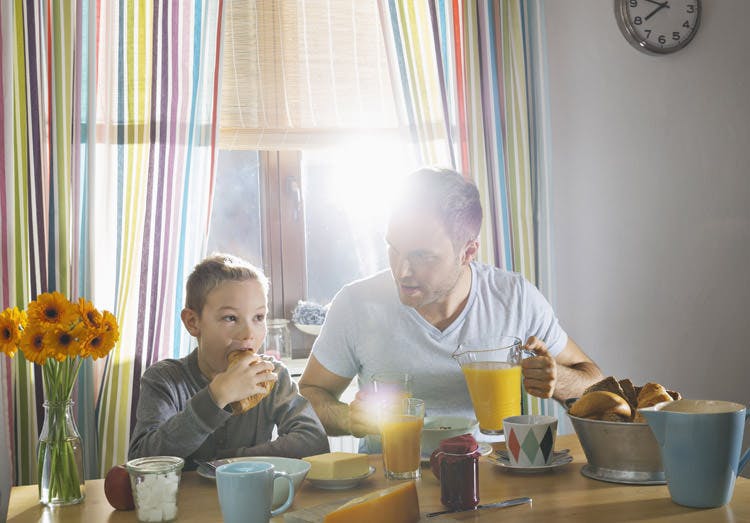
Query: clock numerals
column 658, row 26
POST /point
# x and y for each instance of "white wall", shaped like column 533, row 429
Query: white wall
column 651, row 190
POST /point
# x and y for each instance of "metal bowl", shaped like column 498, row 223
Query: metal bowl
column 619, row 452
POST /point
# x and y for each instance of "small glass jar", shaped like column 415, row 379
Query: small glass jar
column 459, row 479
column 278, row 339
column 155, row 481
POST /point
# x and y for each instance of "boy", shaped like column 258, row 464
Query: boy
column 186, row 406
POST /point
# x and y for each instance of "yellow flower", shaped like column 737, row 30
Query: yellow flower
column 90, row 316
column 11, row 322
column 62, row 343
column 32, row 344
column 52, row 308
column 98, row 342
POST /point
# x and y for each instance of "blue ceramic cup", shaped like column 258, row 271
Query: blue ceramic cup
column 700, row 442
column 246, row 491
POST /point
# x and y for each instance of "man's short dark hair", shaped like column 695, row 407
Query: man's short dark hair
column 449, row 196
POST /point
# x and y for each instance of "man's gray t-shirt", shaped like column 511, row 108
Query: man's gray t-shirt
column 368, row 330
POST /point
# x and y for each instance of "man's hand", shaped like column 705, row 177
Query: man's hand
column 243, row 378
column 540, row 371
column 362, row 416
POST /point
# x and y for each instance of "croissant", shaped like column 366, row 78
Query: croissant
column 239, row 407
column 601, row 405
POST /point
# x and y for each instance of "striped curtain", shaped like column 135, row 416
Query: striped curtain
column 108, row 122
column 474, row 70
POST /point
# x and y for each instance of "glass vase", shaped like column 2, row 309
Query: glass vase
column 60, row 456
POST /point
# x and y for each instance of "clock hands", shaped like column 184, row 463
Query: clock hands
column 661, row 5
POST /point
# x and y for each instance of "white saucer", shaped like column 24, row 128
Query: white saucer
column 340, row 484
column 559, row 458
column 485, row 449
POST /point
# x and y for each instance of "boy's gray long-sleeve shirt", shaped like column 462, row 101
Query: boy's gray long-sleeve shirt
column 176, row 416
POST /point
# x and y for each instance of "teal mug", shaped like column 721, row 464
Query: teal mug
column 700, row 443
column 246, row 490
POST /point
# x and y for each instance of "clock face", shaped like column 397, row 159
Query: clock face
column 658, row 26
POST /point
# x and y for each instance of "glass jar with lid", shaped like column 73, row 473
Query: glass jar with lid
column 278, row 339
column 155, row 481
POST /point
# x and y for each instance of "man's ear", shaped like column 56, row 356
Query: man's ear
column 191, row 321
column 471, row 249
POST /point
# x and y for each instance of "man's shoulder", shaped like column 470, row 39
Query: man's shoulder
column 375, row 284
column 496, row 275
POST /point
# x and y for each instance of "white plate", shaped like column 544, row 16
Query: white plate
column 559, row 458
column 309, row 329
column 485, row 449
column 340, row 484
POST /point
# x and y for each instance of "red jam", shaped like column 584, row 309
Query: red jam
column 456, row 464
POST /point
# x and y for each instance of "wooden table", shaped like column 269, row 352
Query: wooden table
column 561, row 494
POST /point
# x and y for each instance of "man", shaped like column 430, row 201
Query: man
column 413, row 317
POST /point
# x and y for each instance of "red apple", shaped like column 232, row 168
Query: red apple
column 117, row 488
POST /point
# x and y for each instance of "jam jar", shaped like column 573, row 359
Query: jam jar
column 456, row 464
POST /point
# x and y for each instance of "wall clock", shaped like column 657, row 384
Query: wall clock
column 658, row 26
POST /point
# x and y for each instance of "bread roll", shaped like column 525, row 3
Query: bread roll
column 650, row 395
column 601, row 405
column 238, row 407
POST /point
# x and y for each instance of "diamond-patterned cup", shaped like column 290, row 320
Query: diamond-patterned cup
column 530, row 439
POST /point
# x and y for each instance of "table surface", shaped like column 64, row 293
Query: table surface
column 560, row 494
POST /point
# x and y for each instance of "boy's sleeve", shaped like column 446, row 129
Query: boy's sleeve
column 300, row 432
column 163, row 427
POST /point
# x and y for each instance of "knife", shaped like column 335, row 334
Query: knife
column 499, row 504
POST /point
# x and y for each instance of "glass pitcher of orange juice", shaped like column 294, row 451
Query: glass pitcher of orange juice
column 492, row 369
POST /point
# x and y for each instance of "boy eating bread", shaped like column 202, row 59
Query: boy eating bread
column 224, row 399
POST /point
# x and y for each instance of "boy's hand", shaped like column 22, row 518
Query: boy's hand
column 243, row 378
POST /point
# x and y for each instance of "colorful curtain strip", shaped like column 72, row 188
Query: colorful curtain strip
column 487, row 58
column 110, row 120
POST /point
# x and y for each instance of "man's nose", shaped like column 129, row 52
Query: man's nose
column 403, row 268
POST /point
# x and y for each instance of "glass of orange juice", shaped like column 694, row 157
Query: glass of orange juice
column 492, row 370
column 401, row 422
column 391, row 385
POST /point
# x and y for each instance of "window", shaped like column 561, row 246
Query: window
column 310, row 146
column 314, row 220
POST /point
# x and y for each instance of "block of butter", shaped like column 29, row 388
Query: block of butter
column 397, row 504
column 337, row 465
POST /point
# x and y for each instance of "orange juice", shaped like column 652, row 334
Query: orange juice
column 401, row 437
column 495, row 390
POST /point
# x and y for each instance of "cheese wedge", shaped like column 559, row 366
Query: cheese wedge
column 397, row 504
column 337, row 465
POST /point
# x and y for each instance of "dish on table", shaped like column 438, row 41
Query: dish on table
column 313, row 330
column 341, row 484
column 559, row 458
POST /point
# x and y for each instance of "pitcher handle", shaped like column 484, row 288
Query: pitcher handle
column 746, row 456
column 289, row 498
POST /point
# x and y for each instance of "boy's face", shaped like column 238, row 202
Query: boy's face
column 233, row 319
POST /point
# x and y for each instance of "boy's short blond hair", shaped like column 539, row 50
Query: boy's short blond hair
column 214, row 270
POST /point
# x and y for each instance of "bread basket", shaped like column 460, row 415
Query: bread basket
column 619, row 452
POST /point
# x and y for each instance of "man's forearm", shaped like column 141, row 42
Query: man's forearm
column 333, row 414
column 571, row 381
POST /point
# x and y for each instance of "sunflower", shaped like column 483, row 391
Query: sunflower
column 11, row 322
column 62, row 343
column 90, row 316
column 52, row 307
column 32, row 344
column 109, row 322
